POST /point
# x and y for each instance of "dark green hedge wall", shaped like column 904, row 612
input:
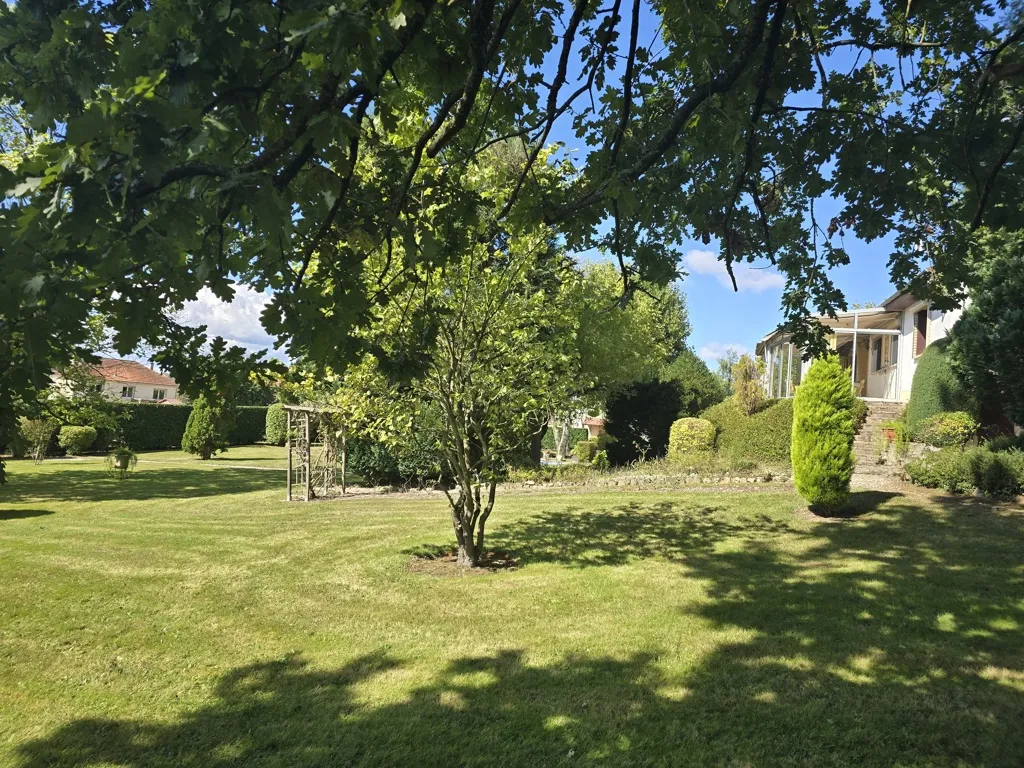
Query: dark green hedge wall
column 250, row 425
column 153, row 427
column 763, row 436
column 936, row 388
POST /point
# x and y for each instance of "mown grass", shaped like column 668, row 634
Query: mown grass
column 189, row 617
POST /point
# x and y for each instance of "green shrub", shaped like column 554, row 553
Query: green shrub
column 151, row 426
column 36, row 434
column 276, row 425
column 860, row 412
column 1005, row 443
column 250, row 425
column 936, row 388
column 996, row 474
column 947, row 429
column 600, row 462
column 76, row 440
column 948, row 469
column 204, row 432
column 638, row 420
column 690, row 437
column 585, row 450
column 822, row 449
column 575, row 435
column 763, row 437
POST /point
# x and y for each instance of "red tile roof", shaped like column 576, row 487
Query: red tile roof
column 593, row 421
column 130, row 372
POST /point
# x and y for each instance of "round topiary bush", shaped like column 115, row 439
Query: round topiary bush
column 936, row 388
column 822, row 445
column 76, row 440
column 277, row 425
column 689, row 437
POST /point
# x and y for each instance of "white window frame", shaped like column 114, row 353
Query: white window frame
column 127, row 392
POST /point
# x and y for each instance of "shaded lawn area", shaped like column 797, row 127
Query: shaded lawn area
column 216, row 625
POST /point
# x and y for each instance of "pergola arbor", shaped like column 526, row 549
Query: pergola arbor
column 317, row 449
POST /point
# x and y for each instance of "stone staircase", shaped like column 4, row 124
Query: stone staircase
column 864, row 442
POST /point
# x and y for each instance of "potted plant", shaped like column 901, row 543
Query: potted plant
column 121, row 461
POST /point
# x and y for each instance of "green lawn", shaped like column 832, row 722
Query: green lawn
column 189, row 617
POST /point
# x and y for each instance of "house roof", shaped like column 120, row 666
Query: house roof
column 593, row 421
column 130, row 372
column 895, row 303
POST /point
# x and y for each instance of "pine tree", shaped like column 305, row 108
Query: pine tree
column 204, row 433
column 822, row 448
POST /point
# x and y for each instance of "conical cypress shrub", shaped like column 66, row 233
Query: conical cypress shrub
column 822, row 447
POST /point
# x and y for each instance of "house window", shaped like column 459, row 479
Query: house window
column 128, row 392
column 876, row 352
column 98, row 387
column 894, row 350
column 159, row 394
column 920, row 331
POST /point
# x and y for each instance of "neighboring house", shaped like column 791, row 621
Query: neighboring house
column 129, row 380
column 879, row 346
column 594, row 425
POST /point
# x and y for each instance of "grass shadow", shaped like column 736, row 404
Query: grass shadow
column 670, row 530
column 860, row 503
column 95, row 484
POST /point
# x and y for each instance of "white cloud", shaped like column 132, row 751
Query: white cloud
column 716, row 350
column 748, row 278
column 238, row 321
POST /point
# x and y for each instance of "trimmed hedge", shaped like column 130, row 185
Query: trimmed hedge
column 152, row 426
column 276, row 425
column 764, row 436
column 585, row 451
column 575, row 435
column 690, row 437
column 250, row 425
column 936, row 388
column 157, row 427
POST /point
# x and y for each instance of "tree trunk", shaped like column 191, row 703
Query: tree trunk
column 469, row 517
column 562, row 437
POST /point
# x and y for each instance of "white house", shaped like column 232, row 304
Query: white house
column 130, row 380
column 879, row 346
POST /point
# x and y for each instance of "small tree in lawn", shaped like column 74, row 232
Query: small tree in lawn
column 822, row 446
column 205, row 432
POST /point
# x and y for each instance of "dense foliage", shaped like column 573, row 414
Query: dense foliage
column 936, row 388
column 987, row 344
column 149, row 426
column 747, row 384
column 691, row 437
column 822, row 447
column 250, row 425
column 698, row 387
column 763, row 436
column 287, row 143
column 206, row 432
column 999, row 474
column 638, row 419
column 575, row 435
column 275, row 428
column 76, row 440
column 946, row 429
column 37, row 433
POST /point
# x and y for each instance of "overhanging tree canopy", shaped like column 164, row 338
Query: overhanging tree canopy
column 197, row 142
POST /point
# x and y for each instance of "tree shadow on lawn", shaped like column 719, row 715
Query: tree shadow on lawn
column 894, row 639
column 95, row 484
column 22, row 514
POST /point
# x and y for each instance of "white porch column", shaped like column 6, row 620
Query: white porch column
column 853, row 359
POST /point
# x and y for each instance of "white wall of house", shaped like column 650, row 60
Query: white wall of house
column 117, row 390
column 939, row 325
